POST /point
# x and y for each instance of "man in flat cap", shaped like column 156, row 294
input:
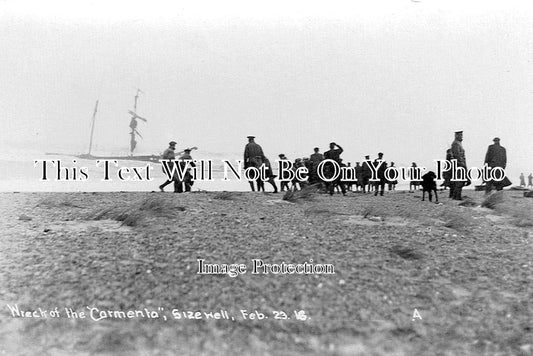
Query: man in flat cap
column 458, row 153
column 496, row 157
column 253, row 157
column 170, row 155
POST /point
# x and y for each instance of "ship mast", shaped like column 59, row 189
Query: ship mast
column 133, row 122
column 92, row 127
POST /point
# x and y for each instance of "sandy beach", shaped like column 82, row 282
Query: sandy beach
column 411, row 277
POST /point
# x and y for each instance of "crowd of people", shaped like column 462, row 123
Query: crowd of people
column 254, row 157
column 329, row 181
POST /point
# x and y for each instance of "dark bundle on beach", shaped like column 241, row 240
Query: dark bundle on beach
column 225, row 196
column 307, row 193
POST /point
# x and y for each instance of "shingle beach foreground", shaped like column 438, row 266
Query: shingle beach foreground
column 117, row 274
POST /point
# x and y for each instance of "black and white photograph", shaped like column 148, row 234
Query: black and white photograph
column 343, row 178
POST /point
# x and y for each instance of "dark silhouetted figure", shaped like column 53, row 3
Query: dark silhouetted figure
column 447, row 175
column 379, row 185
column 496, row 157
column 429, row 185
column 171, row 156
column 187, row 182
column 269, row 175
column 413, row 184
column 329, row 169
column 253, row 156
column 458, row 153
column 358, row 176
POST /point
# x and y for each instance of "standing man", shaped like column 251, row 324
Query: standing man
column 171, row 156
column 530, row 180
column 253, row 157
column 187, row 178
column 391, row 183
column 458, row 153
column 366, row 174
column 315, row 160
column 496, row 157
column 447, row 175
column 335, row 155
column 284, row 185
column 358, row 176
column 379, row 185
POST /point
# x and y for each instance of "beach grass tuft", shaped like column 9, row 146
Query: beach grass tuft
column 458, row 221
column 131, row 215
column 225, row 196
column 492, row 200
column 55, row 202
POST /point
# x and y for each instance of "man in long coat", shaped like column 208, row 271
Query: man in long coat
column 458, row 153
column 496, row 157
column 170, row 155
column 335, row 155
column 366, row 174
column 253, row 157
column 379, row 185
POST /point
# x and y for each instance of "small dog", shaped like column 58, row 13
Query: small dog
column 429, row 185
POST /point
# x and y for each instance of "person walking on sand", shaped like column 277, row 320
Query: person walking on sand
column 170, row 156
column 496, row 157
column 458, row 153
column 522, row 180
column 253, row 156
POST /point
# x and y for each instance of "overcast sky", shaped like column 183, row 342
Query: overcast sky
column 396, row 76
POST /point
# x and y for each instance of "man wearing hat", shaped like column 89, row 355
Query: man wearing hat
column 187, row 179
column 366, row 174
column 314, row 161
column 380, row 183
column 171, row 156
column 253, row 156
column 335, row 155
column 283, row 184
column 496, row 157
column 458, row 153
